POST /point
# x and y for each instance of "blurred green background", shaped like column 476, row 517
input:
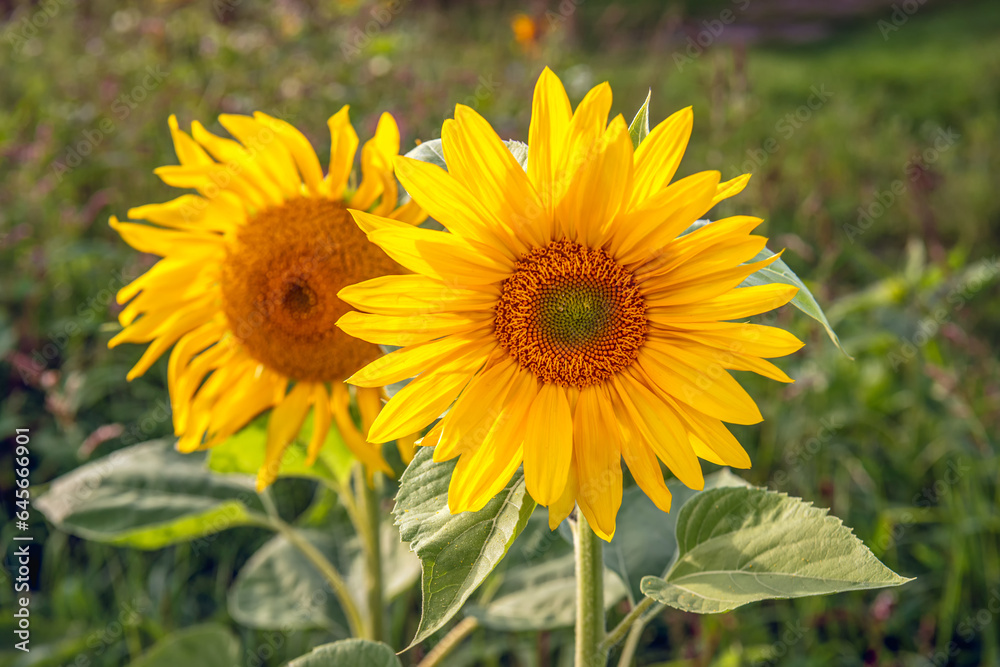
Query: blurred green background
column 873, row 133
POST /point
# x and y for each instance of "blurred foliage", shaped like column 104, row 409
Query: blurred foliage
column 900, row 443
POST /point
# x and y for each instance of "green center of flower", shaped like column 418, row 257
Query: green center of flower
column 574, row 312
column 571, row 315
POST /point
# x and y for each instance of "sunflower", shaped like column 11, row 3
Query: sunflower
column 565, row 319
column 246, row 290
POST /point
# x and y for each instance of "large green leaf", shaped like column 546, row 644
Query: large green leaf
column 244, row 453
column 640, row 124
column 279, row 588
column 208, row 645
column 778, row 272
column 148, row 496
column 644, row 542
column 537, row 589
column 458, row 551
column 740, row 545
column 349, row 653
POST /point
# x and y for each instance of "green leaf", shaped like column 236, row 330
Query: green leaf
column 537, row 589
column 458, row 551
column 644, row 542
column 279, row 588
column 244, row 453
column 429, row 151
column 349, row 652
column 778, row 272
column 640, row 124
column 743, row 545
column 208, row 645
column 148, row 496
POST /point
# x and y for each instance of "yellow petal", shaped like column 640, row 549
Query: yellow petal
column 376, row 163
column 703, row 386
column 157, row 241
column 187, row 149
column 481, row 474
column 739, row 302
column 300, row 148
column 642, row 233
column 443, row 256
column 561, row 508
column 194, row 213
column 282, row 427
column 587, row 125
column 662, row 429
column 597, row 454
column 598, row 187
column 730, row 188
column 476, row 411
column 550, row 118
column 408, row 294
column 415, row 359
column 478, row 158
column 704, row 432
column 369, row 405
column 450, row 202
column 273, row 157
column 240, row 161
column 409, row 329
column 424, row 399
column 755, row 340
column 659, row 155
column 343, row 147
column 548, row 445
column 369, row 454
column 322, row 418
column 407, row 446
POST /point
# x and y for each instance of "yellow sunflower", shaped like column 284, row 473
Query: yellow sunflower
column 246, row 292
column 566, row 313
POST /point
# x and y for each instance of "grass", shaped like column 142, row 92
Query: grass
column 900, row 443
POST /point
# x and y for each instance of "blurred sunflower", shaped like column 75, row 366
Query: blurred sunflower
column 246, row 292
column 566, row 312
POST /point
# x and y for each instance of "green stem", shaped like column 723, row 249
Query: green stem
column 450, row 641
column 590, row 650
column 368, row 529
column 325, row 568
column 622, row 628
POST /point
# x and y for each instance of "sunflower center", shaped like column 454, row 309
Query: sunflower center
column 571, row 315
column 280, row 281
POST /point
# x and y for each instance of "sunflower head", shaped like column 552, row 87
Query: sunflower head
column 563, row 320
column 246, row 290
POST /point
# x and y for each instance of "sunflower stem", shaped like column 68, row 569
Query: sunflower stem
column 590, row 649
column 369, row 530
column 325, row 568
column 630, row 620
column 450, row 641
